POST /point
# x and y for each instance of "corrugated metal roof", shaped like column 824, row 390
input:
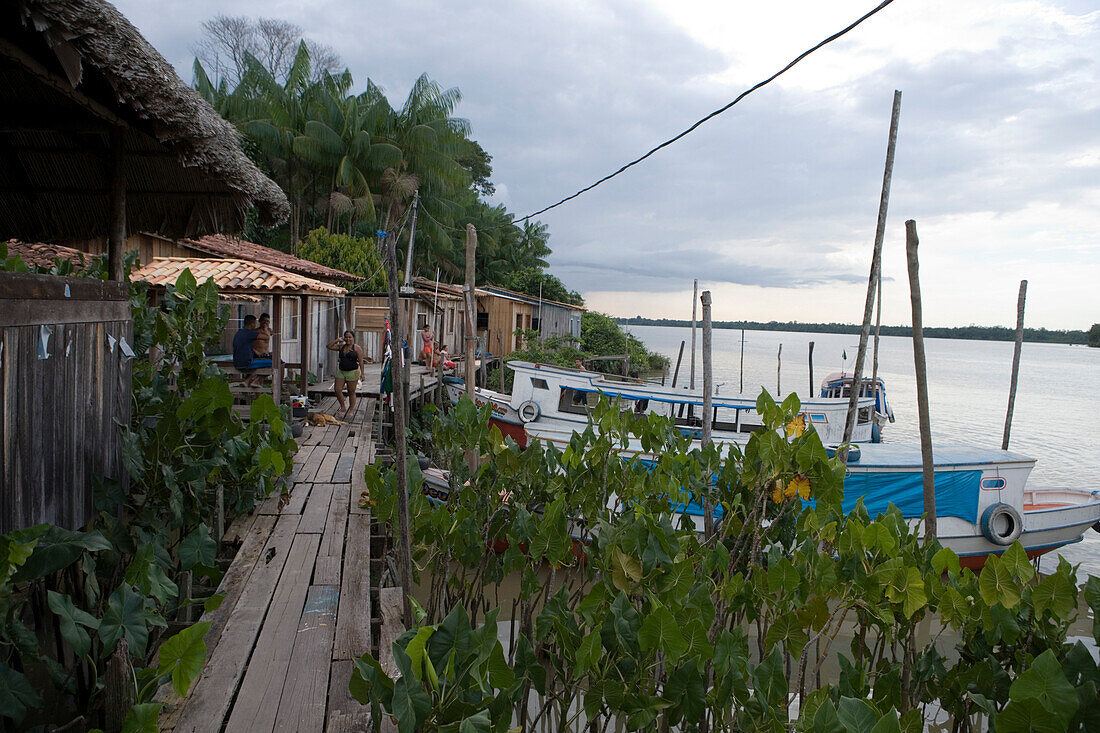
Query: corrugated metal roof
column 235, row 276
column 220, row 244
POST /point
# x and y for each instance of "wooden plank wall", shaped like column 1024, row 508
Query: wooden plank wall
column 59, row 426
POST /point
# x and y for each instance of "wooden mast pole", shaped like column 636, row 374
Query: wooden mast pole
column 1015, row 362
column 911, row 243
column 872, row 281
column 471, row 328
column 708, row 409
column 400, row 449
column 694, row 304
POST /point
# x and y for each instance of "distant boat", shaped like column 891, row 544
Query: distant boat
column 551, row 400
column 838, row 385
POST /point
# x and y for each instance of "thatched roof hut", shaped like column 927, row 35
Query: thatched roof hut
column 89, row 105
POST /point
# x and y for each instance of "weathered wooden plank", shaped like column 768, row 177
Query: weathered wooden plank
column 258, row 700
column 298, row 495
column 300, row 459
column 358, row 480
column 342, row 473
column 309, row 467
column 390, row 610
column 353, row 620
column 32, row 286
column 328, row 465
column 209, row 702
column 331, row 553
column 340, row 437
column 302, row 705
column 239, row 527
column 345, row 713
column 316, row 509
column 36, row 312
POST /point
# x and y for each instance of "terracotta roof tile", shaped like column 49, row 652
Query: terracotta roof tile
column 234, row 276
column 40, row 254
column 223, row 246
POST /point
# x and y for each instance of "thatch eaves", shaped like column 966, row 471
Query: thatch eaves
column 72, row 74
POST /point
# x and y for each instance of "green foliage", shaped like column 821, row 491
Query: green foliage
column 536, row 282
column 1094, row 335
column 356, row 255
column 73, row 595
column 620, row 612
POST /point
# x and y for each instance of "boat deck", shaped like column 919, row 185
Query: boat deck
column 301, row 598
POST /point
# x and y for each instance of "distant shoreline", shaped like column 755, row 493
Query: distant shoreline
column 979, row 333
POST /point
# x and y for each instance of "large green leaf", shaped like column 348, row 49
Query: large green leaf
column 787, row 628
column 660, row 631
column 588, row 652
column 1056, row 592
column 857, row 716
column 59, row 548
column 127, row 616
column 142, row 718
column 625, row 570
column 997, row 584
column 198, row 548
column 16, row 694
column 183, row 655
column 146, row 574
column 1092, row 597
column 771, row 679
column 71, row 619
column 1015, row 560
column 687, row 692
column 1045, row 683
column 411, row 705
column 211, row 395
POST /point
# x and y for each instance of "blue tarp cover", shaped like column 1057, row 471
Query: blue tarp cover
column 956, row 493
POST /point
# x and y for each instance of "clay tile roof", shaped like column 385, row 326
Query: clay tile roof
column 235, row 276
column 38, row 254
column 221, row 245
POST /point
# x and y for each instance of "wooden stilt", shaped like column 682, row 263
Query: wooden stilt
column 911, row 243
column 708, row 411
column 1015, row 362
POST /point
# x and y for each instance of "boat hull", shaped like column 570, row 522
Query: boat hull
column 504, row 416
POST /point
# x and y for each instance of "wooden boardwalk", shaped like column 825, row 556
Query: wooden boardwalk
column 298, row 598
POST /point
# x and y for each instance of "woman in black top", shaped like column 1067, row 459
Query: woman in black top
column 347, row 375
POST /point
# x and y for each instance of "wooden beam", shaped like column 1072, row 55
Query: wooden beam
column 304, row 359
column 116, row 227
column 276, row 348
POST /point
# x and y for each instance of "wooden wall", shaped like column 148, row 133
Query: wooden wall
column 558, row 320
column 503, row 313
column 60, row 413
column 148, row 246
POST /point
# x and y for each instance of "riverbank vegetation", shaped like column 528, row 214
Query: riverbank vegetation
column 557, row 587
column 980, row 333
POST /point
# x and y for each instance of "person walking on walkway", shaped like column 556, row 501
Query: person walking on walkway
column 347, row 375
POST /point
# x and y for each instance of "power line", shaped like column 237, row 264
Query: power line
column 715, row 113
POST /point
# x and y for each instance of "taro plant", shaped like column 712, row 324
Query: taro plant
column 560, row 588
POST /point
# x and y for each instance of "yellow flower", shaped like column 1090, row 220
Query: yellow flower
column 777, row 493
column 797, row 426
column 800, row 485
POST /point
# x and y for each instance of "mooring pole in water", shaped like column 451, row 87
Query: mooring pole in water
column 874, row 361
column 811, row 370
column 872, row 281
column 1015, row 361
column 679, row 358
column 922, row 382
column 708, row 409
column 778, row 369
column 471, row 330
column 694, row 304
column 741, row 371
column 397, row 374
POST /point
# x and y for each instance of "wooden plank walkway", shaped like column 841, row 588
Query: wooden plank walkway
column 298, row 599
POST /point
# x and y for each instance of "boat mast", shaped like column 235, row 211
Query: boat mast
column 694, row 301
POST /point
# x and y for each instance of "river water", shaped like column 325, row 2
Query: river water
column 968, row 382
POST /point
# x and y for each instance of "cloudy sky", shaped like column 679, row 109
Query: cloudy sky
column 772, row 206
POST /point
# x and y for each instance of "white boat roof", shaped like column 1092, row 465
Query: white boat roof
column 586, row 381
column 887, row 455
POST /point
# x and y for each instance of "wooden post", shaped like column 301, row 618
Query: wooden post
column 811, row 370
column 708, row 410
column 922, row 382
column 307, row 326
column 874, row 361
column 500, row 350
column 741, row 371
column 116, row 231
column 679, row 358
column 397, row 373
column 872, row 280
column 778, row 370
column 118, row 687
column 1015, row 361
column 471, row 328
column 277, row 348
column 694, row 303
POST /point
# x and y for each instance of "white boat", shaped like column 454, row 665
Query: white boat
column 839, row 385
column 549, row 400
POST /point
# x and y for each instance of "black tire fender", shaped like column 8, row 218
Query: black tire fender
column 529, row 411
column 1001, row 524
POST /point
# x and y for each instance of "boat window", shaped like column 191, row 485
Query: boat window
column 993, row 483
column 576, row 402
column 538, row 383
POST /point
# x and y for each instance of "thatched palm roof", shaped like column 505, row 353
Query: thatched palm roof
column 72, row 72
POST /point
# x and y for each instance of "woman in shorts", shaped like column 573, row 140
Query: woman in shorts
column 350, row 358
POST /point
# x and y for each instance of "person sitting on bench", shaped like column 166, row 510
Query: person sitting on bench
column 243, row 356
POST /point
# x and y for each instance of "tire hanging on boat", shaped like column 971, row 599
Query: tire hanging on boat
column 529, row 411
column 1002, row 524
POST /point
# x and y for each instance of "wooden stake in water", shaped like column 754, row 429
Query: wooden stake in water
column 708, row 409
column 811, row 370
column 679, row 358
column 694, row 303
column 778, row 369
column 922, row 382
column 1015, row 361
column 741, row 371
column 397, row 374
column 876, row 265
column 471, row 328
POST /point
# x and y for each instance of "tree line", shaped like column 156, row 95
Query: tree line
column 979, row 333
column 352, row 165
